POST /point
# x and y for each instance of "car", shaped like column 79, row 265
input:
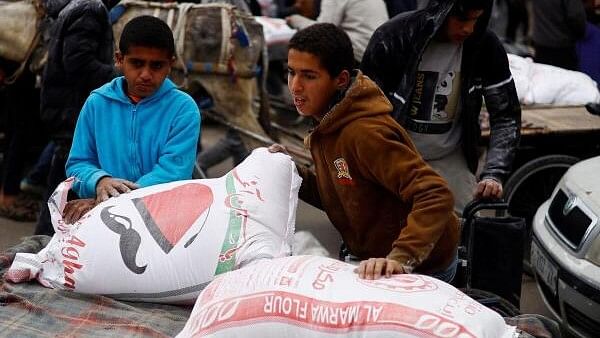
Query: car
column 565, row 252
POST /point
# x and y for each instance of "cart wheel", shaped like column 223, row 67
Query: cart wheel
column 493, row 302
column 197, row 172
column 530, row 186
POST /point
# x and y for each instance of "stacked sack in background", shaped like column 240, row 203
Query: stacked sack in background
column 166, row 242
column 311, row 296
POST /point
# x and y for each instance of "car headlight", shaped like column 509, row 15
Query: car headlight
column 593, row 253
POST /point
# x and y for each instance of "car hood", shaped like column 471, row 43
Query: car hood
column 583, row 180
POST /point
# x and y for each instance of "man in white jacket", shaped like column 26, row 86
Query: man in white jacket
column 358, row 18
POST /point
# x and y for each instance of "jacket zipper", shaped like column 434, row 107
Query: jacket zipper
column 133, row 146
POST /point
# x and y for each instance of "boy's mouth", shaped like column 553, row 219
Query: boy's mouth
column 144, row 86
column 299, row 101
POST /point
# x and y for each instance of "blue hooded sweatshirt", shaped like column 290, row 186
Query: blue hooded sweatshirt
column 151, row 142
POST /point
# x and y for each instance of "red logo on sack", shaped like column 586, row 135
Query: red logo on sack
column 168, row 215
column 402, row 283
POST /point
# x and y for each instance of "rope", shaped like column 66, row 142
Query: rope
column 179, row 35
column 40, row 13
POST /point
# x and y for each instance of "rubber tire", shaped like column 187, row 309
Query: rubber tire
column 548, row 170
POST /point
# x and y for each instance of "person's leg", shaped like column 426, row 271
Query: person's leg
column 20, row 122
column 237, row 148
column 512, row 22
column 461, row 181
column 447, row 275
column 215, row 154
column 13, row 160
column 229, row 145
column 565, row 58
column 55, row 176
column 39, row 173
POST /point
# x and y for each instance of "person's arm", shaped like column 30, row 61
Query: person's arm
column 83, row 158
column 576, row 17
column 377, row 62
column 332, row 11
column 504, row 109
column 179, row 152
column 298, row 21
column 80, row 49
column 286, row 8
column 309, row 191
column 415, row 183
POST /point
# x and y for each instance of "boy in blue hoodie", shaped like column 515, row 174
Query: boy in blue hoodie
column 137, row 130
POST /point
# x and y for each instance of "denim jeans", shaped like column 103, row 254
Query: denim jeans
column 448, row 274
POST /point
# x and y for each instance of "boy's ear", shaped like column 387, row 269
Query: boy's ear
column 343, row 79
column 118, row 60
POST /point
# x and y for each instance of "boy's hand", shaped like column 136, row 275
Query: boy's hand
column 277, row 148
column 305, row 8
column 488, row 188
column 374, row 268
column 75, row 209
column 109, row 187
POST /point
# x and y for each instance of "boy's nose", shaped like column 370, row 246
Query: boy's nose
column 469, row 28
column 145, row 74
column 295, row 85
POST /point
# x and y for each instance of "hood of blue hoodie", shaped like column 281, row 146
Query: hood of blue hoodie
column 115, row 90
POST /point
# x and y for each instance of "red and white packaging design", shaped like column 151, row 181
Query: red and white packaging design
column 311, row 296
column 165, row 243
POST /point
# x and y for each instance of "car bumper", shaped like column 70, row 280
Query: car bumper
column 573, row 301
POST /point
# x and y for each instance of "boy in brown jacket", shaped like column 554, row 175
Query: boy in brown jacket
column 393, row 211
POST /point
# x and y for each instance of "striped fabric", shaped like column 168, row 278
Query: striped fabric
column 31, row 310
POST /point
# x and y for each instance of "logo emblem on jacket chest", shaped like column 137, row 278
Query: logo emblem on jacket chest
column 343, row 172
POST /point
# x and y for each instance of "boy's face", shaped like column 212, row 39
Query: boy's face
column 144, row 69
column 457, row 28
column 310, row 84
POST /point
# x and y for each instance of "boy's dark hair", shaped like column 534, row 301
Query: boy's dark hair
column 327, row 42
column 147, row 31
column 462, row 7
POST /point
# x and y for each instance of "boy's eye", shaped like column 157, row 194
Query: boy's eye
column 137, row 63
column 156, row 65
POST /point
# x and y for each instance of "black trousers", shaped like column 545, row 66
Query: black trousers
column 56, row 175
column 564, row 57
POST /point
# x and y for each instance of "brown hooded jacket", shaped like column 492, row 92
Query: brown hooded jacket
column 375, row 187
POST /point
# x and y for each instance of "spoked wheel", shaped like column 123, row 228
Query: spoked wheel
column 493, row 302
column 530, row 186
column 197, row 171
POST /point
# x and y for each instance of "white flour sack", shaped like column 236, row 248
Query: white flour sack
column 311, row 296
column 166, row 242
